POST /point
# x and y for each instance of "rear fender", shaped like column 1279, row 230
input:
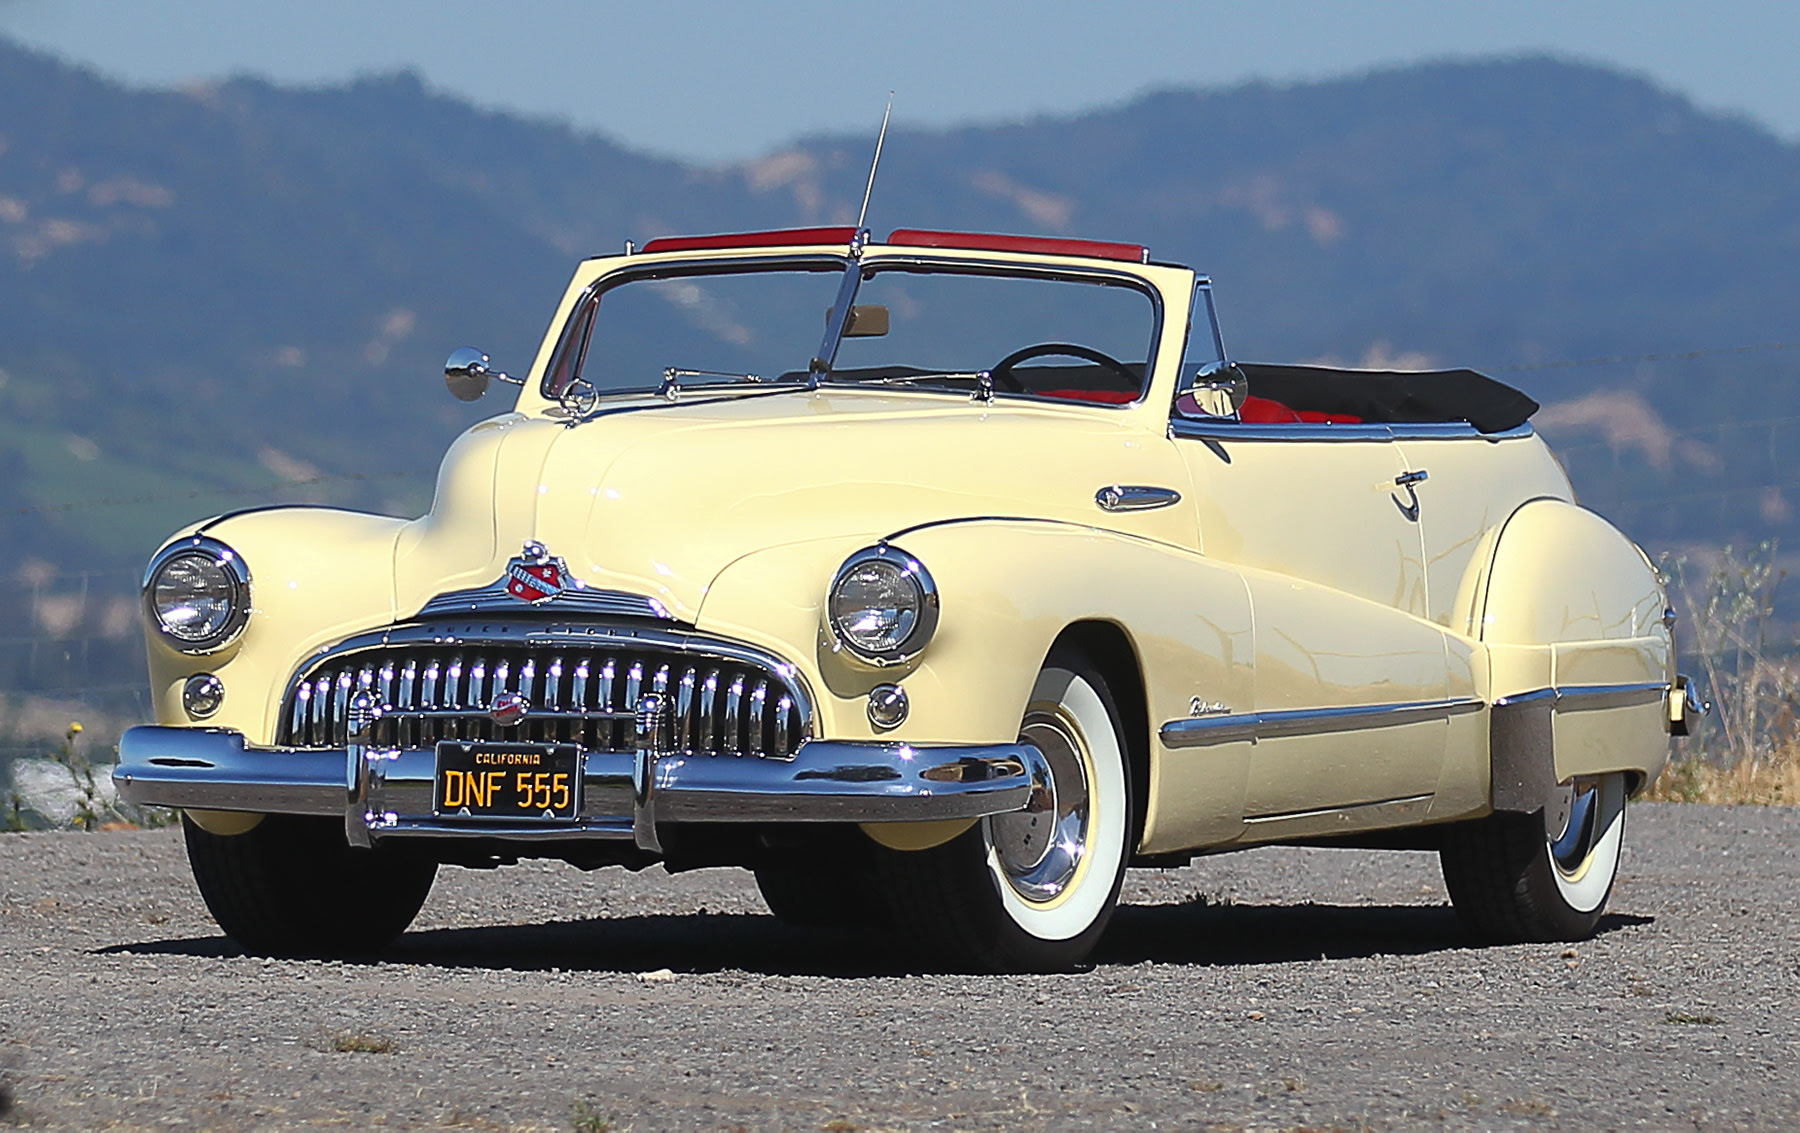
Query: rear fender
column 1577, row 657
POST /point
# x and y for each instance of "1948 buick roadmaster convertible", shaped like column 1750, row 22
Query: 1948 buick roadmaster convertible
column 1007, row 581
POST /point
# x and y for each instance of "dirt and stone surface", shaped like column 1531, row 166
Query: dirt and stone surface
column 1272, row 989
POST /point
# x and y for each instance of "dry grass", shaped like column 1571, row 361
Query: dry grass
column 1772, row 780
column 358, row 1042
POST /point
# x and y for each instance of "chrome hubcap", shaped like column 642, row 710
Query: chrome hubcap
column 1569, row 820
column 1040, row 847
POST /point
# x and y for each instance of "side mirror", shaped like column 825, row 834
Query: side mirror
column 467, row 374
column 1215, row 390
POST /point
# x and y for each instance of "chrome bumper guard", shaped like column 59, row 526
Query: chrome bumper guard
column 384, row 793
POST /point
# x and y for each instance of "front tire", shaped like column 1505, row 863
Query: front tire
column 821, row 883
column 1031, row 890
column 291, row 886
column 1543, row 876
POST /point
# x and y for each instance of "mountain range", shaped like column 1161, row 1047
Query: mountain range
column 241, row 293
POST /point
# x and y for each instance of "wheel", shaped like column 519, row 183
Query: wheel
column 1002, row 371
column 291, row 886
column 824, row 884
column 1031, row 890
column 1543, row 876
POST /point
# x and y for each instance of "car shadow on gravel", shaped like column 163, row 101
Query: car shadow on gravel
column 1186, row 934
column 1208, row 934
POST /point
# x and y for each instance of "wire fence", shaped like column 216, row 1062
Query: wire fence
column 71, row 651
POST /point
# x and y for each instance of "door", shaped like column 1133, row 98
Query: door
column 1350, row 687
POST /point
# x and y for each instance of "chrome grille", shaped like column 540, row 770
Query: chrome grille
column 427, row 693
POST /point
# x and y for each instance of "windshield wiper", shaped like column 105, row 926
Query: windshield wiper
column 672, row 383
column 981, row 381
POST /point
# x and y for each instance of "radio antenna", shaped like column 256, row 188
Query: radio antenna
column 875, row 163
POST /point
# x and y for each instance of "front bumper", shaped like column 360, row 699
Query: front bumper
column 385, row 793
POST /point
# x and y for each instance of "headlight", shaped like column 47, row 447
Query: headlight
column 883, row 605
column 197, row 594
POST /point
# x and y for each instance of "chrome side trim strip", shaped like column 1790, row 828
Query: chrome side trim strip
column 1590, row 698
column 1255, row 726
column 1404, row 800
column 576, row 600
column 1129, row 497
column 1226, row 430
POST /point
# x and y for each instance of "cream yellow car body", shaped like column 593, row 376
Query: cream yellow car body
column 1263, row 591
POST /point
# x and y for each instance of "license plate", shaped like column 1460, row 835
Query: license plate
column 514, row 781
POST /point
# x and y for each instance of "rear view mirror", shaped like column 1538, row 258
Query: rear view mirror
column 467, row 373
column 866, row 321
column 1217, row 389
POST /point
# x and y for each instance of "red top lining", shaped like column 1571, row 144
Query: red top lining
column 990, row 242
column 914, row 237
column 752, row 239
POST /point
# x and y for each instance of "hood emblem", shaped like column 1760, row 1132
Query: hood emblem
column 537, row 576
column 508, row 709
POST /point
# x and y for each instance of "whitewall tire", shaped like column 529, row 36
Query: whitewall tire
column 1543, row 876
column 1031, row 890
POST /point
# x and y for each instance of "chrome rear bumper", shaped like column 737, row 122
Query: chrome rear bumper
column 389, row 793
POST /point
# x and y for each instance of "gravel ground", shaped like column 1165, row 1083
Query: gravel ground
column 1272, row 989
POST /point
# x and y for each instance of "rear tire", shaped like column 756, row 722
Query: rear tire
column 291, row 886
column 1031, row 890
column 1543, row 876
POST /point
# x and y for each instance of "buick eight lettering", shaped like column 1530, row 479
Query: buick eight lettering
column 937, row 580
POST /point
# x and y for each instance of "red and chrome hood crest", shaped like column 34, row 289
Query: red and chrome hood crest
column 537, row 576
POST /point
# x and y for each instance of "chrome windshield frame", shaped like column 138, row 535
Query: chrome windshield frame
column 862, row 257
column 875, row 258
column 708, row 265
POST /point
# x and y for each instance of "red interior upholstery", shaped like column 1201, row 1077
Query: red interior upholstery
column 1263, row 411
column 1255, row 410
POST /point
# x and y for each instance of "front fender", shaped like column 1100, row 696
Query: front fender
column 1009, row 589
column 316, row 574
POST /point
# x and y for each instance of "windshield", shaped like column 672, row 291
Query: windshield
column 920, row 327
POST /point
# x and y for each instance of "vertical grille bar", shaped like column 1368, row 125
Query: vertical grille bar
column 734, row 704
column 759, row 703
column 709, row 716
column 684, row 713
column 604, row 732
column 782, row 709
column 297, row 728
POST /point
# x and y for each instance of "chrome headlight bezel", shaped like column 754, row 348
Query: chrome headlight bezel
column 925, row 606
column 237, row 578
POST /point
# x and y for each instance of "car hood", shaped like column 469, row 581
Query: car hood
column 654, row 499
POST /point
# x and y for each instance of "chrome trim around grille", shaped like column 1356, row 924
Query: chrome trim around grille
column 577, row 599
column 439, row 680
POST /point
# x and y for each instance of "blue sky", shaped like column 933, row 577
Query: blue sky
column 719, row 80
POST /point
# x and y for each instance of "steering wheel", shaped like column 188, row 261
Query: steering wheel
column 1003, row 375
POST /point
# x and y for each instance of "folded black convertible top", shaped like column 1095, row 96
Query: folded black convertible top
column 1394, row 397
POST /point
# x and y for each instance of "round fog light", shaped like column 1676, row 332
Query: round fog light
column 202, row 695
column 887, row 706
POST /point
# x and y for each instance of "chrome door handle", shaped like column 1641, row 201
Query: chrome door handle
column 1406, row 480
column 1139, row 497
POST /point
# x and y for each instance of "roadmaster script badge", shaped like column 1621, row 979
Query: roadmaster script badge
column 536, row 576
